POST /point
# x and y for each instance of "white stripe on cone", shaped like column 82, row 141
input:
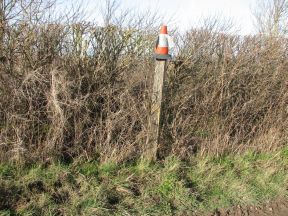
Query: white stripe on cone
column 165, row 40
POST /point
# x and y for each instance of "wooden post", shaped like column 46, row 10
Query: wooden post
column 156, row 110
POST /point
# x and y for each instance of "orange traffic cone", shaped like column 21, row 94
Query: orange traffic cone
column 162, row 45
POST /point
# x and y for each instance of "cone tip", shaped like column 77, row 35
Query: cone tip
column 163, row 29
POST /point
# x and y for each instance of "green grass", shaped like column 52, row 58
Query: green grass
column 170, row 187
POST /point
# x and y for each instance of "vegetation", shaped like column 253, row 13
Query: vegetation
column 74, row 89
column 169, row 187
column 74, row 107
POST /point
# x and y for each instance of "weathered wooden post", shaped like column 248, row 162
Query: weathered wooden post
column 154, row 128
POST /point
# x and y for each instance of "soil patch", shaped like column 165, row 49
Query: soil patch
column 275, row 208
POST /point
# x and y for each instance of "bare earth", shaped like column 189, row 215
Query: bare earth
column 276, row 208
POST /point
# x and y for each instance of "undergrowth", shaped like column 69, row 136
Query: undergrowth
column 168, row 187
column 74, row 89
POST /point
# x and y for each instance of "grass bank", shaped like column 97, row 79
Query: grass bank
column 170, row 187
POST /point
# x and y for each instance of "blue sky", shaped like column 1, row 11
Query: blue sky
column 187, row 13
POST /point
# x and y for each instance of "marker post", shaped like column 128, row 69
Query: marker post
column 154, row 128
